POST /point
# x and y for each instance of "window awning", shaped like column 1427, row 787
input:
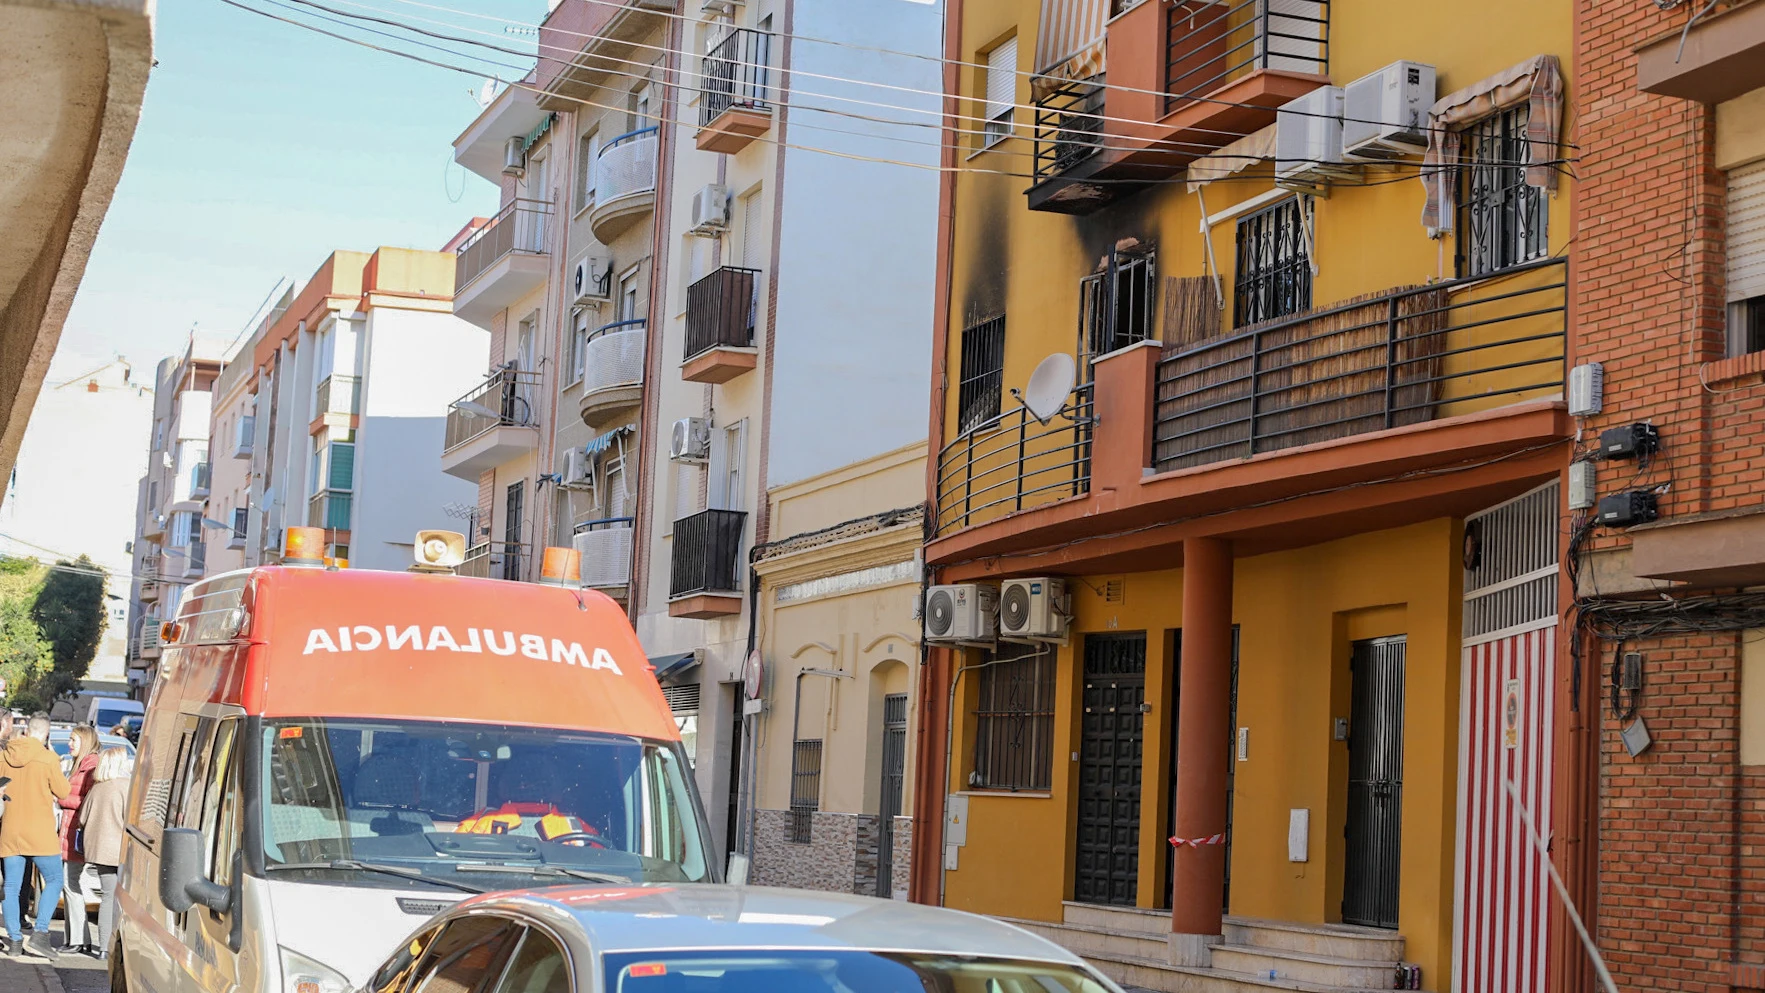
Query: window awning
column 605, row 441
column 1232, row 159
column 1069, row 43
column 1537, row 82
column 669, row 667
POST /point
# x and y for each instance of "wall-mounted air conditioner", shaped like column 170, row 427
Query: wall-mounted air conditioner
column 965, row 612
column 593, row 280
column 578, row 468
column 1034, row 609
column 515, row 157
column 1308, row 135
column 710, row 211
column 1385, row 114
column 691, row 441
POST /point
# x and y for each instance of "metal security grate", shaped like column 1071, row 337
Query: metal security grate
column 1274, row 265
column 1511, row 564
column 1014, row 720
column 1501, row 218
column 979, row 392
column 894, row 774
column 736, row 75
column 1375, row 784
column 805, row 789
column 1116, row 306
column 682, row 699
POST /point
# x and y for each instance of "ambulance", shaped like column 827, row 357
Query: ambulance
column 331, row 756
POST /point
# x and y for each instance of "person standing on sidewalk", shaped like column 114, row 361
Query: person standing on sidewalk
column 82, row 759
column 27, row 830
column 101, row 820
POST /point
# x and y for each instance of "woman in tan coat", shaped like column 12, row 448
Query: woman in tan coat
column 28, row 830
column 101, row 820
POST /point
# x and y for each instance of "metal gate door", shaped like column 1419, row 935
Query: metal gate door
column 1110, row 755
column 894, row 769
column 1375, row 783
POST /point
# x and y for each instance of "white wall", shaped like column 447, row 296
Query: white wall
column 857, row 244
column 416, row 363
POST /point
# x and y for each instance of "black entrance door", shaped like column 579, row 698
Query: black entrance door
column 894, row 772
column 1375, row 783
column 1110, row 755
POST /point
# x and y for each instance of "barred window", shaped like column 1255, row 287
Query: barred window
column 1274, row 265
column 1501, row 218
column 1014, row 720
column 983, row 374
column 1116, row 305
column 805, row 788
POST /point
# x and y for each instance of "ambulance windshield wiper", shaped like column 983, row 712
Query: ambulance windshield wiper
column 543, row 870
column 390, row 870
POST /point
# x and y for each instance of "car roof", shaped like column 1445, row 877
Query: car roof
column 664, row 917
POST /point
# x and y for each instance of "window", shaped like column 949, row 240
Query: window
column 538, row 967
column 1001, row 92
column 220, row 810
column 728, row 454
column 588, row 150
column 240, row 516
column 183, row 528
column 524, row 339
column 1116, row 305
column 1746, row 259
column 1501, row 218
column 805, row 789
column 467, row 955
column 1014, row 720
column 628, row 295
column 514, row 499
column 640, row 107
column 983, row 375
column 753, row 240
column 579, row 346
column 1274, row 265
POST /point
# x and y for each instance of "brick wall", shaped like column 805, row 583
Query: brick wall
column 1681, row 827
column 841, row 854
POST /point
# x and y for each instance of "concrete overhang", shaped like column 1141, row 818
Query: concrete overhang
column 479, row 148
column 1723, row 57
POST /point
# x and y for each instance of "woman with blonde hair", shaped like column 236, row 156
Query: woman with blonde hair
column 101, row 824
column 82, row 762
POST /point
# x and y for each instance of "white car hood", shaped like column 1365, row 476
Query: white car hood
column 352, row 929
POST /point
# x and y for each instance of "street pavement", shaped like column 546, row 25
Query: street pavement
column 70, row 974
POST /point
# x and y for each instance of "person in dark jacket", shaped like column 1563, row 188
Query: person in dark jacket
column 28, row 830
column 82, row 759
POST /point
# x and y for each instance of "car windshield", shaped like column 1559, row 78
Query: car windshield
column 817, row 971
column 477, row 805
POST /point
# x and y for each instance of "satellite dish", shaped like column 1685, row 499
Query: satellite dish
column 1045, row 394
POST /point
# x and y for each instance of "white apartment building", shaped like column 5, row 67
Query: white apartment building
column 232, row 433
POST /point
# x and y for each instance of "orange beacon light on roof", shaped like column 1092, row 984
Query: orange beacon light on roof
column 304, row 547
column 561, row 567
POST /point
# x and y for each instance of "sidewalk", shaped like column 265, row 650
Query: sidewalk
column 28, row 976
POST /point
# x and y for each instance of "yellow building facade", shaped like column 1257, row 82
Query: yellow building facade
column 1290, row 397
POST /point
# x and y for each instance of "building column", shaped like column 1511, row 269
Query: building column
column 1203, row 746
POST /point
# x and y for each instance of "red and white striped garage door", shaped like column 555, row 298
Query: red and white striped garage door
column 1501, row 918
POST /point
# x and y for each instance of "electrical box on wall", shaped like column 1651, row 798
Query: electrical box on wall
column 1632, row 441
column 1623, row 510
column 1587, row 389
column 1582, row 489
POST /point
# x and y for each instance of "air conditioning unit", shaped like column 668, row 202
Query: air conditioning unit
column 691, row 441
column 1034, row 609
column 962, row 613
column 515, row 157
column 711, row 211
column 1308, row 135
column 578, row 468
column 1385, row 114
column 593, row 280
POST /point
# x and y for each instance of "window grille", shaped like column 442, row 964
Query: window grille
column 1116, row 306
column 1501, row 219
column 1014, row 720
column 805, row 788
column 1274, row 265
column 983, row 374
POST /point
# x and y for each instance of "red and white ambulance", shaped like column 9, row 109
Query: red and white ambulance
column 331, row 756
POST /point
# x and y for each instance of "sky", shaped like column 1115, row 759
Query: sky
column 262, row 148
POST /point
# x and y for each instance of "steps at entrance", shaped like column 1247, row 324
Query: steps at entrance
column 1131, row 946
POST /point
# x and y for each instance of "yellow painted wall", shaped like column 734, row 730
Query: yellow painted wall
column 1297, row 613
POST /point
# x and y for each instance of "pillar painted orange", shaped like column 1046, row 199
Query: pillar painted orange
column 1203, row 735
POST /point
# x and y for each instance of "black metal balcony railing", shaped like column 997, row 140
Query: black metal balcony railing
column 1069, row 126
column 495, row 560
column 1017, row 464
column 736, row 75
column 707, row 553
column 1209, row 44
column 1398, row 358
column 521, row 226
column 330, row 510
column 720, row 310
column 505, row 398
column 338, row 395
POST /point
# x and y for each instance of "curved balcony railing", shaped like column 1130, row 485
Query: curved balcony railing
column 614, row 355
column 605, row 546
column 627, row 166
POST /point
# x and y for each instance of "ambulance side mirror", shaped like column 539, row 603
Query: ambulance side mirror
column 181, row 882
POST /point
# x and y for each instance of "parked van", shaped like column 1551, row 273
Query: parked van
column 107, row 712
column 332, row 756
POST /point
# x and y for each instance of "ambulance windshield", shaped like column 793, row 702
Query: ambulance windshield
column 475, row 805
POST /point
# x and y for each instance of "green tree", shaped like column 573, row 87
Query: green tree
column 70, row 611
column 24, row 653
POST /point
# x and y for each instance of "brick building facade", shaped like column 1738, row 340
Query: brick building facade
column 1663, row 848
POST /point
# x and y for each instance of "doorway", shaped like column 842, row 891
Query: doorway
column 1375, row 783
column 894, row 771
column 1111, row 739
column 733, row 796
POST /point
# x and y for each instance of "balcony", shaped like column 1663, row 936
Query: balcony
column 584, row 42
column 199, row 479
column 236, row 537
column 1408, row 405
column 720, row 326
column 494, row 423
column 149, row 638
column 244, row 431
column 502, row 261
column 330, row 509
column 612, row 370
column 1185, row 77
column 340, row 395
column 195, row 559
column 605, row 546
column 496, row 560
column 625, row 184
column 703, row 573
column 735, row 92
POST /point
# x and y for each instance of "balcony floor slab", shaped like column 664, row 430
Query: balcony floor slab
column 706, row 606
column 488, row 450
column 719, row 364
